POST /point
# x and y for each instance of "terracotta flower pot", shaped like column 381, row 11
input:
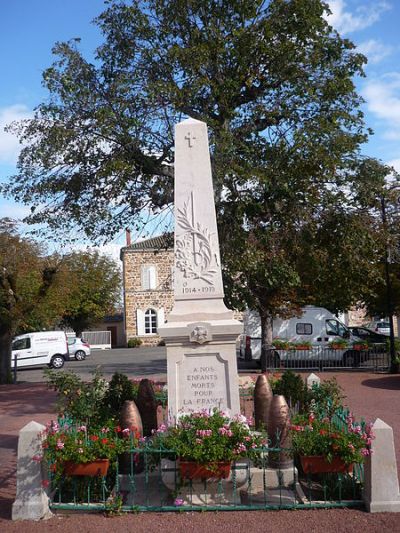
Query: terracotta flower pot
column 92, row 469
column 317, row 464
column 360, row 347
column 193, row 470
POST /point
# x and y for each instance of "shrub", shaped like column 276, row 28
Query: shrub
column 293, row 389
column 134, row 342
column 119, row 390
column 326, row 397
column 76, row 399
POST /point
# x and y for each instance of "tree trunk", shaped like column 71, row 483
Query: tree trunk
column 266, row 339
column 5, row 357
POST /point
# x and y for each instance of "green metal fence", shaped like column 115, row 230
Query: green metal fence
column 151, row 480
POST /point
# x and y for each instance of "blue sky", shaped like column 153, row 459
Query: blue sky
column 29, row 29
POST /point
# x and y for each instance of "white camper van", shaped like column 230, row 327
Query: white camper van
column 316, row 326
column 40, row 348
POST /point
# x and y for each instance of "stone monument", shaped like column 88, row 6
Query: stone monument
column 200, row 332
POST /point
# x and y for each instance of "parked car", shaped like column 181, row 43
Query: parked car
column 39, row 349
column 78, row 348
column 380, row 326
column 374, row 339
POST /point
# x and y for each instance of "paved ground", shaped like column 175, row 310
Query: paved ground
column 369, row 395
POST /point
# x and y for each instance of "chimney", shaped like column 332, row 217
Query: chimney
column 128, row 237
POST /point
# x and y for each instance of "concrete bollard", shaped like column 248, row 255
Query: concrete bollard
column 381, row 484
column 313, row 379
column 31, row 502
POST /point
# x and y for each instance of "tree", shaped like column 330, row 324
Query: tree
column 26, row 276
column 274, row 83
column 93, row 288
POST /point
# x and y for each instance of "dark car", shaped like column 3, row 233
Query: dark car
column 375, row 340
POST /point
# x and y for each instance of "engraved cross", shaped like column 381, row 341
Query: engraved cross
column 190, row 139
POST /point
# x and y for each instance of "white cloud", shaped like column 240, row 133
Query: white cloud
column 374, row 50
column 14, row 211
column 363, row 16
column 395, row 163
column 383, row 100
column 9, row 145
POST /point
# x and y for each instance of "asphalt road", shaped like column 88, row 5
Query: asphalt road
column 134, row 362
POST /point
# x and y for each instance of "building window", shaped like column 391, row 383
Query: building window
column 150, row 321
column 303, row 329
column 149, row 277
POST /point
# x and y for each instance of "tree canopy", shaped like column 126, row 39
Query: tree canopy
column 39, row 291
column 274, row 83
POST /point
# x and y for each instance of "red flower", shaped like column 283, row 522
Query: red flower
column 94, row 438
column 323, row 432
column 117, row 429
column 104, row 441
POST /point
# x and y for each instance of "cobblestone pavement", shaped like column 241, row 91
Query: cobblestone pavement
column 369, row 395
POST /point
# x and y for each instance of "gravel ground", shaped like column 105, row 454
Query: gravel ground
column 369, row 395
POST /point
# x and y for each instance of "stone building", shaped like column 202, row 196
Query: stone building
column 147, row 284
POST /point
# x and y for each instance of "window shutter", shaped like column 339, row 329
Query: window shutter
column 140, row 322
column 149, row 277
column 160, row 317
column 152, row 278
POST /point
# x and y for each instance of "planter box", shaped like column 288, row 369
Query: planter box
column 192, row 470
column 317, row 464
column 92, row 469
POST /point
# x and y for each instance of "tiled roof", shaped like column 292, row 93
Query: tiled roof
column 160, row 242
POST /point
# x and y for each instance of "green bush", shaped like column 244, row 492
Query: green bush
column 326, row 397
column 77, row 399
column 119, row 390
column 293, row 389
column 134, row 342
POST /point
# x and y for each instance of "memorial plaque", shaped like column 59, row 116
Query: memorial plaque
column 203, row 383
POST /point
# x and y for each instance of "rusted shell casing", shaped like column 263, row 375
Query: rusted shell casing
column 262, row 402
column 147, row 404
column 130, row 418
column 279, row 434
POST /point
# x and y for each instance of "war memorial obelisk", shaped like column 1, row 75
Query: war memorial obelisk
column 200, row 332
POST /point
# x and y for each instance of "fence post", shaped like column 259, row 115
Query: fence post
column 381, row 484
column 31, row 502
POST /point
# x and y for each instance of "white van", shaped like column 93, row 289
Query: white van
column 316, row 326
column 40, row 348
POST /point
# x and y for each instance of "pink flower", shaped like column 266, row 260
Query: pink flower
column 37, row 458
column 45, row 483
column 60, row 444
column 178, row 502
column 105, row 430
column 126, row 431
column 82, row 428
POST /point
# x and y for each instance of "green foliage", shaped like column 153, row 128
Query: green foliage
column 77, row 399
column 134, row 342
column 311, row 436
column 94, row 283
column 338, row 344
column 208, row 438
column 293, row 389
column 120, row 389
column 326, row 397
